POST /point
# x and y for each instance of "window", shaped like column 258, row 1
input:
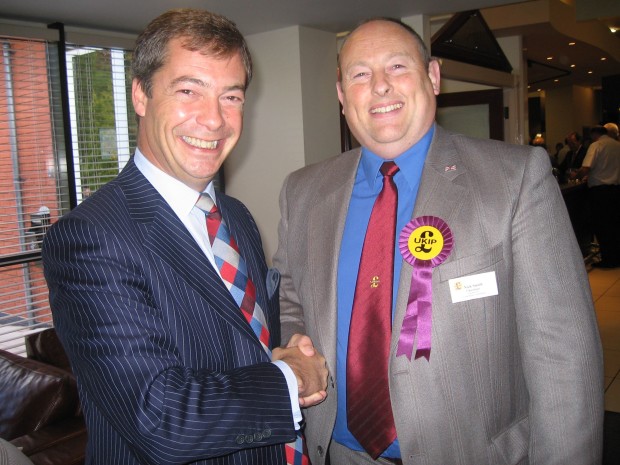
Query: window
column 42, row 173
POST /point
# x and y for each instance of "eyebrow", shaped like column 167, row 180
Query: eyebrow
column 364, row 62
column 201, row 83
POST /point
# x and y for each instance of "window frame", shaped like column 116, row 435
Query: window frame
column 66, row 153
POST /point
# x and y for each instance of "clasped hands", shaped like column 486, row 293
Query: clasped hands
column 309, row 367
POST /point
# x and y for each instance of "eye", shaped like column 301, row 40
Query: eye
column 234, row 99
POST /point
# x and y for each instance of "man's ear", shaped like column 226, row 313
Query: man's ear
column 340, row 94
column 138, row 97
column 434, row 74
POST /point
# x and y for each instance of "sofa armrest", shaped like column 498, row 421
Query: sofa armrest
column 61, row 443
column 33, row 395
column 45, row 347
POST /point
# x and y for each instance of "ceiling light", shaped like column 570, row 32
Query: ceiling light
column 590, row 72
column 603, row 59
column 571, row 43
column 549, row 58
column 572, row 66
column 556, row 80
column 613, row 29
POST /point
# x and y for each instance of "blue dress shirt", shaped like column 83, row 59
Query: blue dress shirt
column 368, row 184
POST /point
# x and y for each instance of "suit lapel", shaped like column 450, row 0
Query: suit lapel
column 167, row 238
column 326, row 221
column 439, row 195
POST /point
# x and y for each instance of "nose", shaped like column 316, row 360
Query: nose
column 210, row 114
column 381, row 85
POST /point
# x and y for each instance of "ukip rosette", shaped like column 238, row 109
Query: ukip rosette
column 424, row 242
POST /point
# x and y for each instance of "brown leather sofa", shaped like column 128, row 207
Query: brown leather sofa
column 39, row 406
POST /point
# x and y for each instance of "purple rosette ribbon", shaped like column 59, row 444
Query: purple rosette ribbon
column 425, row 242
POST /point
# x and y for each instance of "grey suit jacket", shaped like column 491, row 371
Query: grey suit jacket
column 515, row 378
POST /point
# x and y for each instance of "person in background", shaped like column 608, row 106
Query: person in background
column 539, row 141
column 574, row 158
column 559, row 151
column 612, row 130
column 440, row 277
column 601, row 168
column 562, row 152
column 159, row 289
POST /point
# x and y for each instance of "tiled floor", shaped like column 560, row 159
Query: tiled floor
column 605, row 286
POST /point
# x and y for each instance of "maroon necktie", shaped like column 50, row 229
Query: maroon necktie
column 369, row 412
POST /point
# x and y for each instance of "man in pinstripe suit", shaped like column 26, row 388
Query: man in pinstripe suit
column 169, row 371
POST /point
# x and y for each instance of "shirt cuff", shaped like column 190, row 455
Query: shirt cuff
column 293, row 391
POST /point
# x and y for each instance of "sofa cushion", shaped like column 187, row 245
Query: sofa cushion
column 33, row 395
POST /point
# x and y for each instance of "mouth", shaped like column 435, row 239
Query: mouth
column 387, row 109
column 200, row 143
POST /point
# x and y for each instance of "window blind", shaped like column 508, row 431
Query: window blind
column 34, row 177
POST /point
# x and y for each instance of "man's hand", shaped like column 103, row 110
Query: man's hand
column 309, row 367
column 303, row 342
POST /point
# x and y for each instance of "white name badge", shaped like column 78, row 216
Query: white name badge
column 471, row 287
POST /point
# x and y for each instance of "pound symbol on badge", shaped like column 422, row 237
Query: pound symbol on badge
column 425, row 239
column 374, row 282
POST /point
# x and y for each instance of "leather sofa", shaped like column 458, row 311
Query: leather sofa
column 39, row 406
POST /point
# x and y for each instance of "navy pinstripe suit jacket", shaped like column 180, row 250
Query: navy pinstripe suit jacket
column 168, row 369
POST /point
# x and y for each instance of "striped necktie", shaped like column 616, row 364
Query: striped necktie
column 236, row 278
column 233, row 270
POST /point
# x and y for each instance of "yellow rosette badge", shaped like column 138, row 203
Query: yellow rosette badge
column 425, row 242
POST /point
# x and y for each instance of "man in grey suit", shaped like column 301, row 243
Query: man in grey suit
column 174, row 344
column 493, row 355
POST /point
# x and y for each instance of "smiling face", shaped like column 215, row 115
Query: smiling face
column 386, row 90
column 194, row 116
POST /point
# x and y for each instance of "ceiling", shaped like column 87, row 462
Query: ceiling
column 255, row 16
column 544, row 74
column 251, row 16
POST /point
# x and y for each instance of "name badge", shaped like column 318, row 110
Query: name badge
column 472, row 287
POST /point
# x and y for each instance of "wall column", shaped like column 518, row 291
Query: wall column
column 291, row 120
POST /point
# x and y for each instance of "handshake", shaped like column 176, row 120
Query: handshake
column 309, row 367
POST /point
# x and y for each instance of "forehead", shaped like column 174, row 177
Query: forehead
column 378, row 39
column 180, row 60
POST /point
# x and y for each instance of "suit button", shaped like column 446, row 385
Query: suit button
column 320, row 451
column 258, row 436
column 267, row 433
column 240, row 439
column 249, row 438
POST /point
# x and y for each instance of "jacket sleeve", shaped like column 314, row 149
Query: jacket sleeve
column 291, row 311
column 557, row 328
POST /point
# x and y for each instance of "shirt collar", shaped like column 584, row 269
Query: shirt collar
column 178, row 195
column 410, row 162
